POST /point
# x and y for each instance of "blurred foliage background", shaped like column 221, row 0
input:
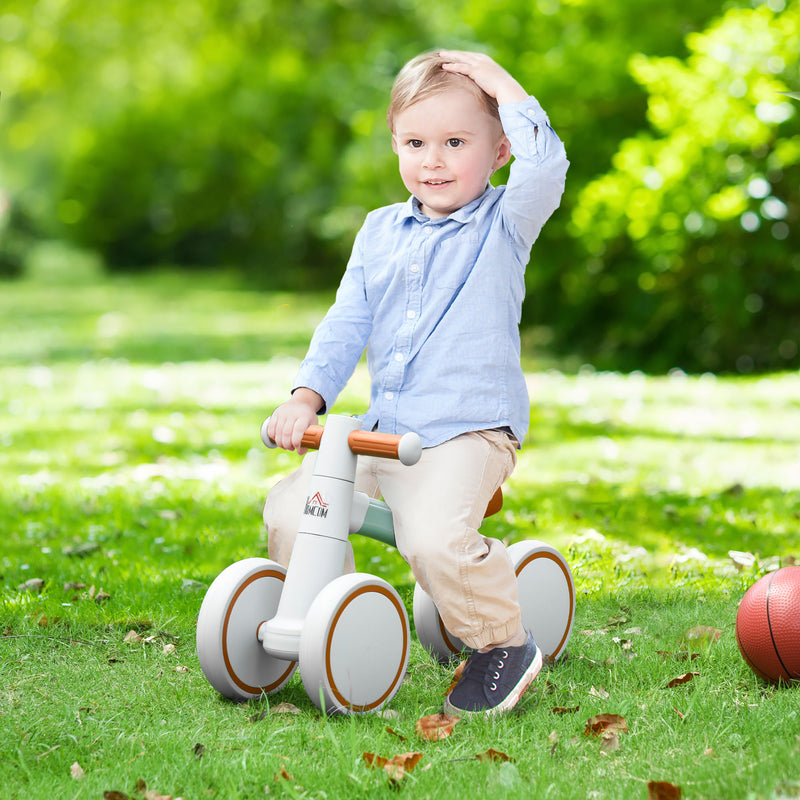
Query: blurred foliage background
column 249, row 136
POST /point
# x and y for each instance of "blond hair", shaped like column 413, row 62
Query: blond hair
column 423, row 77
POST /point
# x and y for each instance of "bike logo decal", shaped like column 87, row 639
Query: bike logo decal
column 316, row 506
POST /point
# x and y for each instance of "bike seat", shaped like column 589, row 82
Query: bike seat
column 495, row 504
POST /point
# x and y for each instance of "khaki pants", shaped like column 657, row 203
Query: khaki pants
column 437, row 506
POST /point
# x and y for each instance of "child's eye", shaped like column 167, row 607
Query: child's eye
column 415, row 144
column 454, row 142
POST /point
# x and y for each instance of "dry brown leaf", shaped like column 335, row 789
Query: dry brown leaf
column 552, row 740
column 663, row 790
column 599, row 692
column 609, row 740
column 436, row 726
column 141, row 786
column 456, row 677
column 395, row 767
column 392, row 732
column 283, row 775
column 681, row 679
column 598, row 725
column 493, row 755
column 565, row 709
column 115, row 795
column 132, row 636
column 285, row 708
column 150, row 794
column 680, row 714
column 101, row 597
column 76, row 771
column 683, row 656
column 168, row 649
column 32, row 586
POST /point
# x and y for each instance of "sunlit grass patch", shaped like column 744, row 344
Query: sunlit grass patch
column 131, row 476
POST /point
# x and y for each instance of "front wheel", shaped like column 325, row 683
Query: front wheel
column 243, row 595
column 354, row 646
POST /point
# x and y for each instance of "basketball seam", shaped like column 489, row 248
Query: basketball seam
column 771, row 635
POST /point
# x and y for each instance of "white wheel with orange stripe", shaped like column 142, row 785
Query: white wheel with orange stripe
column 546, row 595
column 232, row 658
column 355, row 644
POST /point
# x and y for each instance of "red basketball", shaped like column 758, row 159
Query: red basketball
column 768, row 625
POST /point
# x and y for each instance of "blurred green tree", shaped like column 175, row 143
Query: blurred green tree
column 692, row 244
column 251, row 134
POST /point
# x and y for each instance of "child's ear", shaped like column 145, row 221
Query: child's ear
column 503, row 153
column 394, row 143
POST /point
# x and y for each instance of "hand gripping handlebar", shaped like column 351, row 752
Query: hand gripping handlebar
column 406, row 448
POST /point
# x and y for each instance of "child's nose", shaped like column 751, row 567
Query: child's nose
column 433, row 157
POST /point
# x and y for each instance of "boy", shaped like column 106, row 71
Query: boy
column 433, row 290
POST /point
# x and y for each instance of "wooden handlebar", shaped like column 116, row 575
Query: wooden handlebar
column 406, row 448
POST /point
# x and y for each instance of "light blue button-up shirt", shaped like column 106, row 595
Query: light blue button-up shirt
column 437, row 302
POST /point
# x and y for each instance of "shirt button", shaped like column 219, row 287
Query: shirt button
column 399, row 357
column 428, row 231
column 415, row 267
column 389, row 395
column 411, row 314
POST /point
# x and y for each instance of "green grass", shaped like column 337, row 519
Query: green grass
column 131, row 474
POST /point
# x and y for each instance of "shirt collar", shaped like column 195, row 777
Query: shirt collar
column 411, row 210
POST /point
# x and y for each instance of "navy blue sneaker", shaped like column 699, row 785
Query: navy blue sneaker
column 493, row 682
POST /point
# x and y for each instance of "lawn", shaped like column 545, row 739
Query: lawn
column 131, row 474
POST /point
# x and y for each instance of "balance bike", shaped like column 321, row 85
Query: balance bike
column 350, row 634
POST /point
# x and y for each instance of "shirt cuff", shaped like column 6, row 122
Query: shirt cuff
column 515, row 116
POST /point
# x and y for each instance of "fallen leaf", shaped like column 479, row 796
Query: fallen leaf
column 493, row 755
column 285, row 708
column 76, row 771
column 80, row 550
column 681, row 715
column 395, row 767
column 114, row 795
column 199, row 750
column 565, row 709
column 436, row 726
column 72, row 586
column 168, row 649
column 682, row 656
column 553, row 742
column 150, row 794
column 599, row 692
column 681, row 679
column 141, row 786
column 396, row 734
column 181, row 669
column 662, row 790
column 598, row 725
column 32, row 586
column 609, row 740
column 456, row 677
column 742, row 560
column 283, row 775
column 132, row 636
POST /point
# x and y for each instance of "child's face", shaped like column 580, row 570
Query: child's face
column 448, row 147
